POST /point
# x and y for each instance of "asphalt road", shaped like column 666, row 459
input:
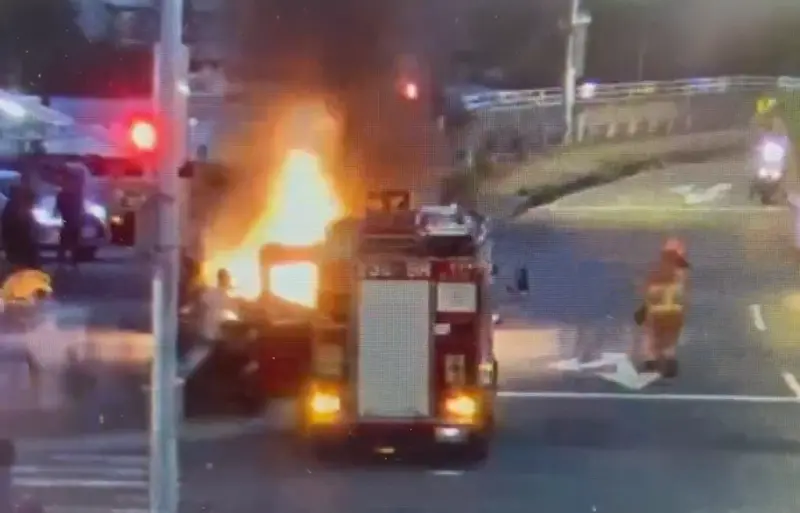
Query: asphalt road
column 719, row 438
column 117, row 479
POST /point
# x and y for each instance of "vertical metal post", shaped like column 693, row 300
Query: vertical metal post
column 570, row 71
column 170, row 64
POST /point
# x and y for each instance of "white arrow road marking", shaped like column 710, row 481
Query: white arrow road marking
column 625, row 373
column 709, row 195
column 571, row 365
column 758, row 319
column 792, row 383
column 575, row 365
column 683, row 190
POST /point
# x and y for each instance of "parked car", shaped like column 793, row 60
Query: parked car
column 95, row 230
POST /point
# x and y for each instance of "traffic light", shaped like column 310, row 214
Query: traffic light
column 143, row 135
column 411, row 91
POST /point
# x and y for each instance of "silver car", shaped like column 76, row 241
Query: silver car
column 94, row 233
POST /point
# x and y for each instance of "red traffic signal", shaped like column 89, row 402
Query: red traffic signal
column 143, row 135
column 411, row 90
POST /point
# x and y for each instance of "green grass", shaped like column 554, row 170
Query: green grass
column 789, row 111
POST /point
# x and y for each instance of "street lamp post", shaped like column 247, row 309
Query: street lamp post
column 171, row 69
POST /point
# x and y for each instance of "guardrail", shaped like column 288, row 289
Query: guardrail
column 517, row 124
column 590, row 92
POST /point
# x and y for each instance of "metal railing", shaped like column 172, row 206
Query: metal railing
column 591, row 92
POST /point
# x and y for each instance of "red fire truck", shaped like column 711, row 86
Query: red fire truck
column 402, row 348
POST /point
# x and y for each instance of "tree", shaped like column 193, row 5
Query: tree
column 37, row 38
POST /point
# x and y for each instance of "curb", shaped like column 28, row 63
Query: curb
column 190, row 432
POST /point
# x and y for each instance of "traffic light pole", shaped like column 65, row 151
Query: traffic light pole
column 171, row 71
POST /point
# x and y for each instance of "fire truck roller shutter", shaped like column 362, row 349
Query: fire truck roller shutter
column 394, row 349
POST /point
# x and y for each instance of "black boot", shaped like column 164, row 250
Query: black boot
column 649, row 366
column 669, row 368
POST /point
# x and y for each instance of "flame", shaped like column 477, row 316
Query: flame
column 303, row 204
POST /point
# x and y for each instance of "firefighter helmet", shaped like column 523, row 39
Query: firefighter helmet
column 27, row 285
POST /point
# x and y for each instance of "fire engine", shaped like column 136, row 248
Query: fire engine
column 402, row 343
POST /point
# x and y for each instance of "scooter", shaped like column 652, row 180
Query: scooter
column 770, row 170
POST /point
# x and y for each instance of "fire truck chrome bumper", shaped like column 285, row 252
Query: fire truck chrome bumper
column 394, row 433
column 451, row 434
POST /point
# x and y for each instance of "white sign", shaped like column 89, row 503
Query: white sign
column 457, row 297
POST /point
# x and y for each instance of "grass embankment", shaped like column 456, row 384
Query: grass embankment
column 464, row 185
column 788, row 111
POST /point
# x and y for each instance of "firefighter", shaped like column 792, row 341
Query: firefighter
column 70, row 207
column 663, row 312
column 216, row 303
column 190, row 280
column 20, row 232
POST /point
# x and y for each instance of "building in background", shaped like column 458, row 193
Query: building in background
column 135, row 22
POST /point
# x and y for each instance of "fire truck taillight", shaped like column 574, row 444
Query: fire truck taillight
column 324, row 404
column 461, row 408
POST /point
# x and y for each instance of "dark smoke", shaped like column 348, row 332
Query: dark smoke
column 350, row 52
column 338, row 43
column 345, row 53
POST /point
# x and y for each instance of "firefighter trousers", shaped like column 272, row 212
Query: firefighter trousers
column 662, row 332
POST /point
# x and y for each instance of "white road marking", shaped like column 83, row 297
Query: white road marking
column 604, row 396
column 41, row 482
column 118, row 459
column 190, row 432
column 555, row 208
column 447, row 472
column 792, row 383
column 26, row 470
column 85, row 509
column 758, row 319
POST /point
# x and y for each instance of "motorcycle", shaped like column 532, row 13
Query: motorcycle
column 771, row 166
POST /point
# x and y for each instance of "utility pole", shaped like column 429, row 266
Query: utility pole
column 171, row 69
column 576, row 26
column 570, row 72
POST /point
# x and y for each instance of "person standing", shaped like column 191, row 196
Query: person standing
column 20, row 231
column 663, row 313
column 70, row 207
column 7, row 461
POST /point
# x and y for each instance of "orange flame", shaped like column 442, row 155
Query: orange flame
column 302, row 205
